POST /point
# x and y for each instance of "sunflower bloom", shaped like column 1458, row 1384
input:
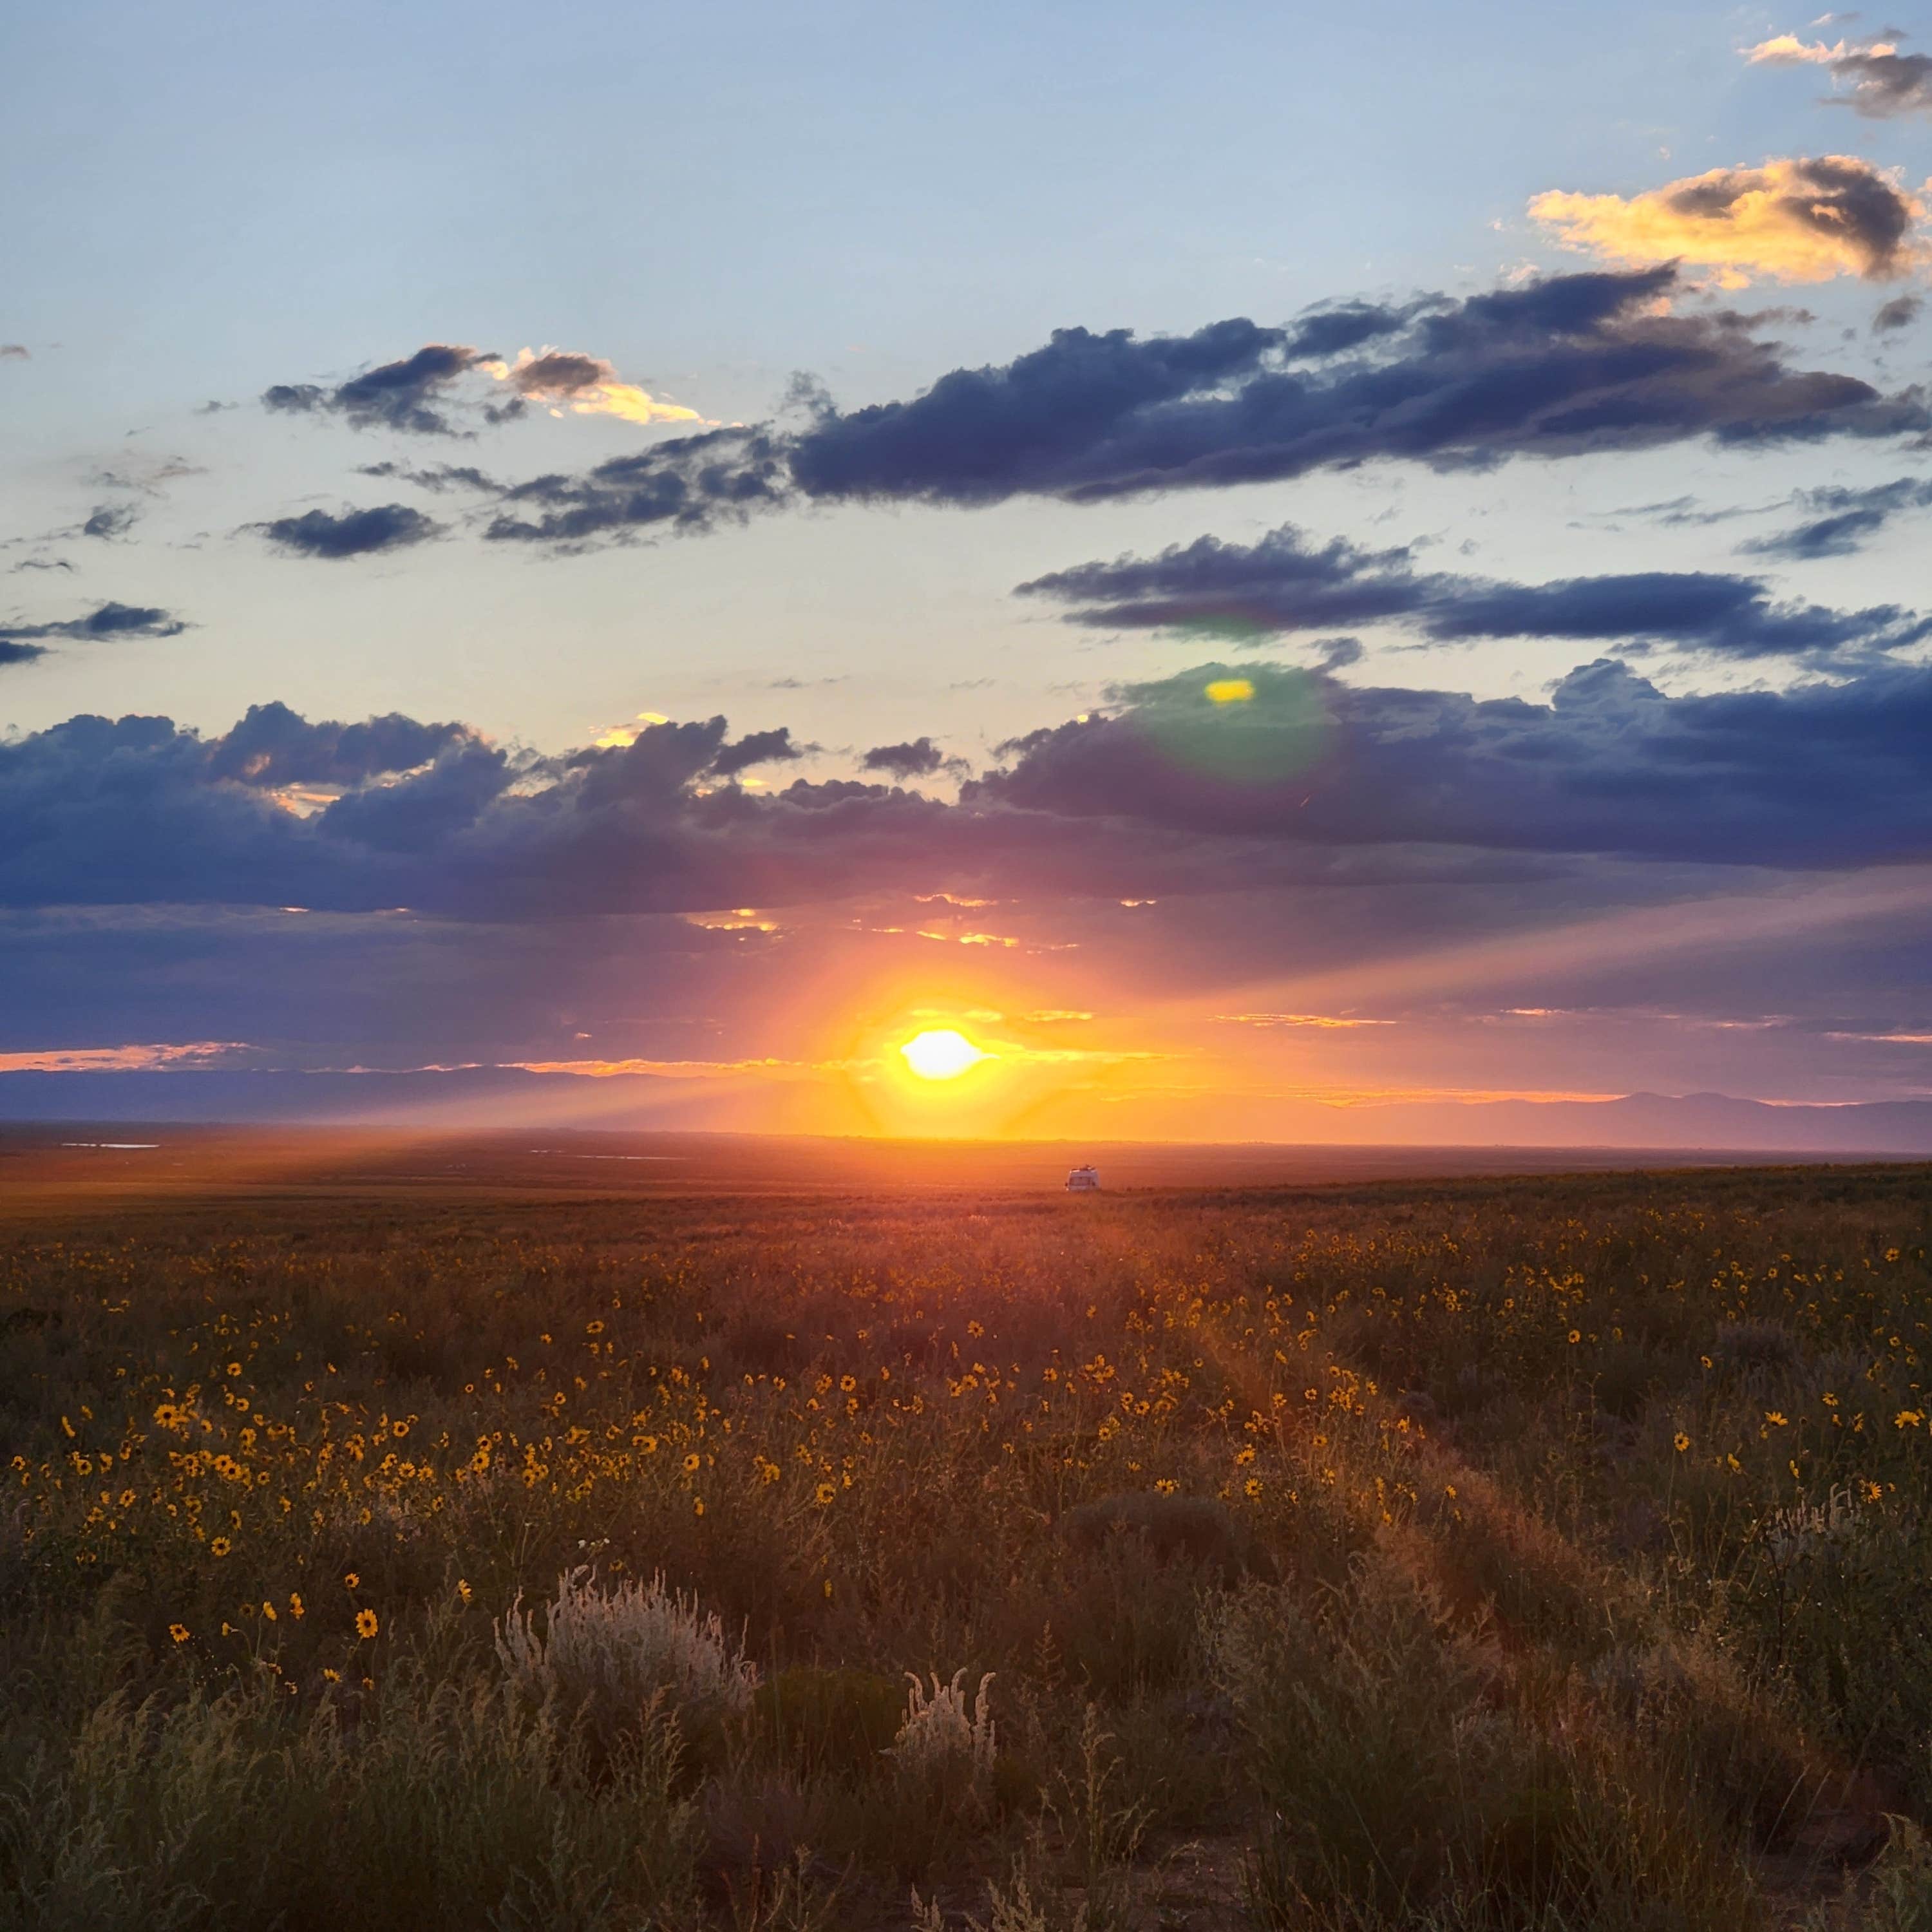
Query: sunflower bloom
column 366, row 1624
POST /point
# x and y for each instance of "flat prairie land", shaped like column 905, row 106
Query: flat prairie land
column 391, row 1545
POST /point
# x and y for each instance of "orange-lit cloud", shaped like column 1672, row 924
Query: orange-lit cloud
column 118, row 1059
column 1797, row 220
column 1879, row 82
column 619, row 737
column 586, row 385
column 768, row 1067
column 1322, row 1020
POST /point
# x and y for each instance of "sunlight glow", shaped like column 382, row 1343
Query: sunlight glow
column 942, row 1053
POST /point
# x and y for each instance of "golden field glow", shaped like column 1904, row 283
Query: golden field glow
column 941, row 1053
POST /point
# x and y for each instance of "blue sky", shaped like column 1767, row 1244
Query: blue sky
column 213, row 203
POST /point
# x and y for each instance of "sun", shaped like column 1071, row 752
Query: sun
column 942, row 1053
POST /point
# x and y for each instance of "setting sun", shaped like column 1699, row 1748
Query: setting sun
column 941, row 1054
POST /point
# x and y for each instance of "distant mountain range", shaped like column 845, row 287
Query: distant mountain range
column 476, row 1099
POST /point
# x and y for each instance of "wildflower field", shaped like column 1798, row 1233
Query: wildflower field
column 1484, row 1554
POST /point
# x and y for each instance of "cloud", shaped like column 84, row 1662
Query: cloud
column 1561, row 367
column 586, row 385
column 15, row 352
column 13, row 652
column 1901, row 312
column 1845, row 519
column 407, row 395
column 918, row 758
column 1882, row 83
column 755, row 747
column 120, row 1059
column 435, row 476
column 109, row 521
column 1166, row 795
column 145, row 475
column 1285, row 583
column 1802, row 221
column 322, row 533
column 273, row 747
column 106, row 622
column 688, row 484
column 1822, row 774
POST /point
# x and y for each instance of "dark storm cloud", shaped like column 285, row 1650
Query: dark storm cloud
column 1562, row 367
column 11, row 652
column 917, row 759
column 401, row 395
column 1844, row 519
column 105, row 622
column 1301, row 779
column 1820, row 775
column 1285, row 583
column 1901, row 312
column 337, row 534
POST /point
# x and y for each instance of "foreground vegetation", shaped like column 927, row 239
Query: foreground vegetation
column 1476, row 1555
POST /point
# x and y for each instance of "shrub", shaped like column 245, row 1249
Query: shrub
column 617, row 1653
column 941, row 1736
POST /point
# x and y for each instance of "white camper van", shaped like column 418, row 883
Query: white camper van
column 1083, row 1180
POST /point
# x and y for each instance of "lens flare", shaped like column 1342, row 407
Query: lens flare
column 941, row 1054
column 1248, row 729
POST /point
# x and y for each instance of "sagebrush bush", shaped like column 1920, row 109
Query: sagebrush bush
column 624, row 1651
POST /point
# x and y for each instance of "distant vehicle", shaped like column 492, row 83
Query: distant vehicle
column 1083, row 1180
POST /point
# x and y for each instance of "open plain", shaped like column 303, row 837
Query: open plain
column 387, row 1545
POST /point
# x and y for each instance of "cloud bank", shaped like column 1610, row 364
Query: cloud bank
column 1560, row 367
column 1171, row 792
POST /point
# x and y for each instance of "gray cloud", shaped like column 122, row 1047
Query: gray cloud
column 1844, row 519
column 105, row 623
column 1560, row 367
column 407, row 394
column 347, row 533
column 918, row 758
column 109, row 521
column 1286, row 584
column 1170, row 793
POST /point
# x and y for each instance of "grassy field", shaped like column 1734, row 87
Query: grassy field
column 1546, row 1552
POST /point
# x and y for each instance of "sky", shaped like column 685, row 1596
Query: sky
column 1258, row 565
